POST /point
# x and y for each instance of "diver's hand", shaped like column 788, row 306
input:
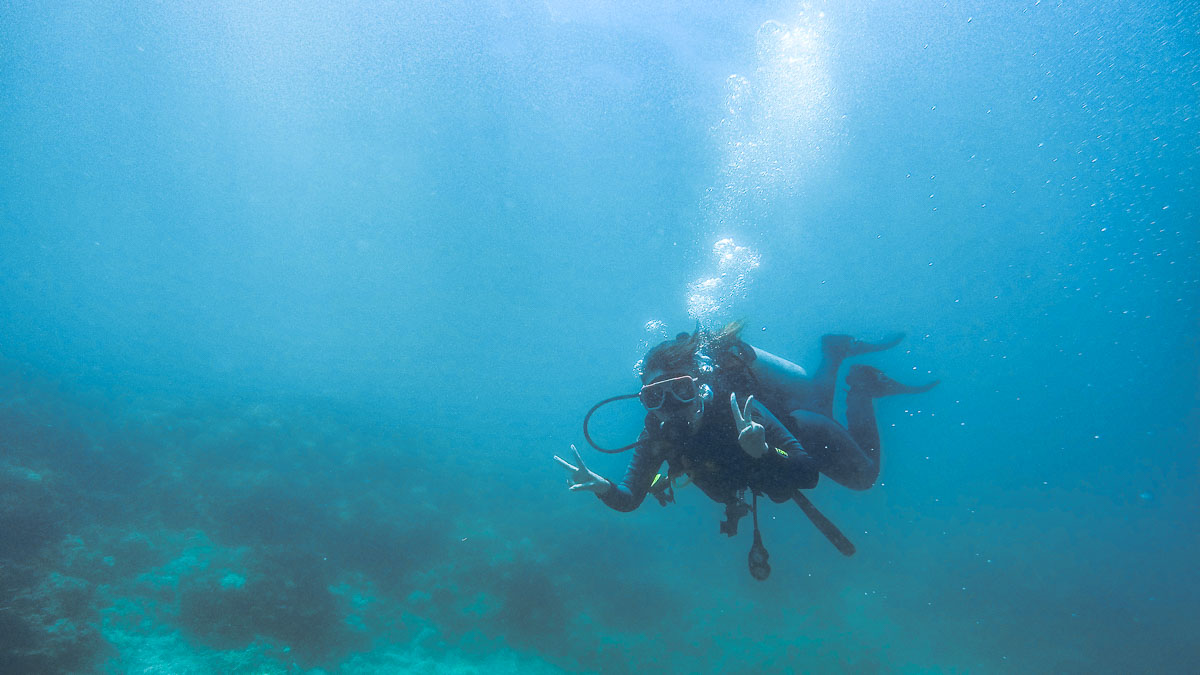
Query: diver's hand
column 582, row 478
column 751, row 435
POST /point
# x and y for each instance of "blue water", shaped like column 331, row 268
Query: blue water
column 298, row 301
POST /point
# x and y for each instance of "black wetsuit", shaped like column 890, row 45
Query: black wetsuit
column 715, row 461
column 804, row 445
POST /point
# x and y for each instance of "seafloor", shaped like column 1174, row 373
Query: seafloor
column 151, row 536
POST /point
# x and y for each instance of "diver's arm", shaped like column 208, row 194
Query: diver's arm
column 783, row 447
column 629, row 493
column 582, row 478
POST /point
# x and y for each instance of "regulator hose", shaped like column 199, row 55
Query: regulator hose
column 588, row 417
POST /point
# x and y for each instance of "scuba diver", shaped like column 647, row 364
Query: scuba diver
column 775, row 437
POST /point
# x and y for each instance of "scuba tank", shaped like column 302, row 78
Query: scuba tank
column 781, row 385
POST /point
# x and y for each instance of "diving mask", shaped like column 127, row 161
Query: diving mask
column 682, row 389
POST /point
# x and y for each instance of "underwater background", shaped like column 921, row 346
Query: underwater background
column 298, row 301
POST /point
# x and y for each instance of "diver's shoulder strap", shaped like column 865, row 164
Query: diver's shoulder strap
column 733, row 368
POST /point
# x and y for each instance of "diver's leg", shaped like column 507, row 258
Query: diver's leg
column 868, row 383
column 860, row 421
column 838, row 454
column 835, row 349
column 850, row 455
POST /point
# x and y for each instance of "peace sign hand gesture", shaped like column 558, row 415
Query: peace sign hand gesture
column 583, row 478
column 751, row 435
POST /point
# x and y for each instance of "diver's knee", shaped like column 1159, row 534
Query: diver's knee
column 861, row 484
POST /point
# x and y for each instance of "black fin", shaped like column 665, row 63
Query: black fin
column 872, row 380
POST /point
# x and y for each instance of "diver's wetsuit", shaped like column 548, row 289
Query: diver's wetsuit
column 812, row 443
column 716, row 462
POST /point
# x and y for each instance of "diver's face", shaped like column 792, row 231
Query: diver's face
column 671, row 396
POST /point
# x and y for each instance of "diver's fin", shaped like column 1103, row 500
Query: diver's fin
column 865, row 347
column 845, row 346
column 872, row 380
column 827, row 528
